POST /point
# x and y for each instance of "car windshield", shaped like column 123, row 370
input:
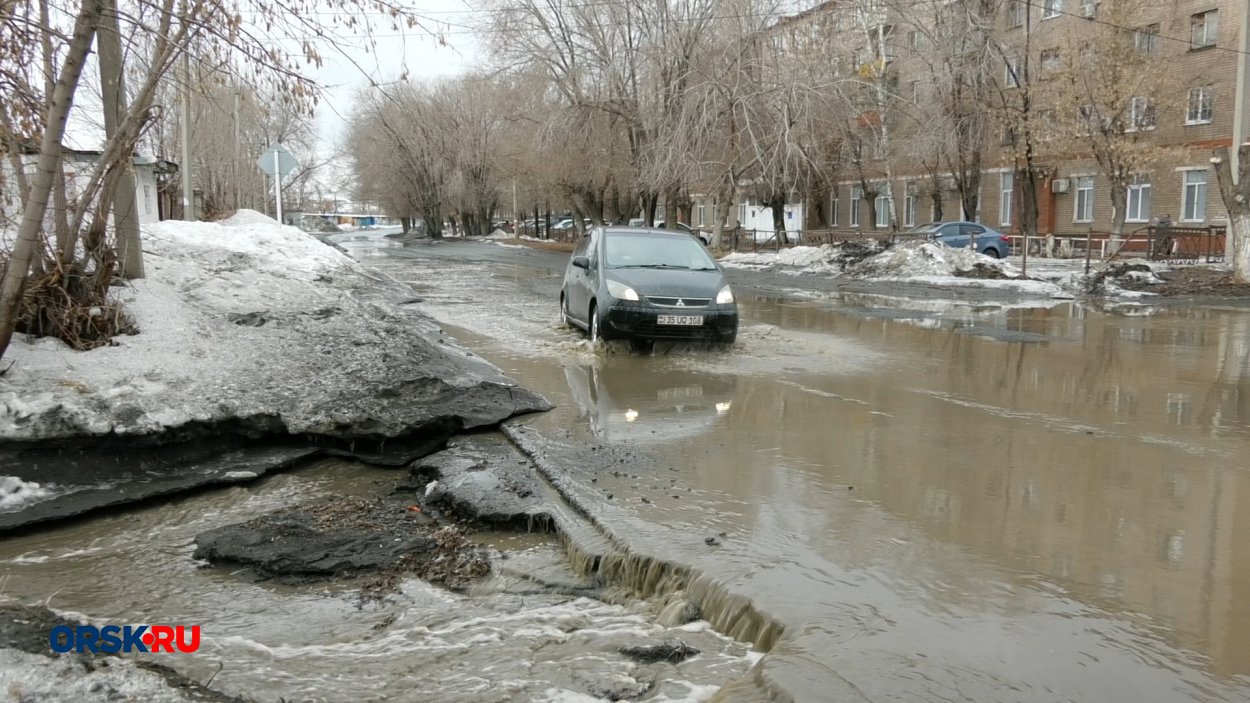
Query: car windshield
column 627, row 250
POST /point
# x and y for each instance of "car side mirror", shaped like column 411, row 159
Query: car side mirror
column 581, row 262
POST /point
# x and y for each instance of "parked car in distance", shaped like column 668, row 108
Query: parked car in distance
column 960, row 235
column 704, row 237
column 646, row 284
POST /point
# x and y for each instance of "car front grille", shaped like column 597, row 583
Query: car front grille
column 679, row 302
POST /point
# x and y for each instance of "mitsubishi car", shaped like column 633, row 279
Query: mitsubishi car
column 645, row 285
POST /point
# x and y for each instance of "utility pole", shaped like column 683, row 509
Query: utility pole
column 188, row 198
column 113, row 91
column 516, row 221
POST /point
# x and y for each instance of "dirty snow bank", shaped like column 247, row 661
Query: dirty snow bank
column 913, row 262
column 250, row 322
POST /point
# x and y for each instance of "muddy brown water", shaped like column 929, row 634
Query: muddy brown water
column 941, row 499
column 318, row 643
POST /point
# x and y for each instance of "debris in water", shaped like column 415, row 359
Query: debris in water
column 712, row 541
column 674, row 651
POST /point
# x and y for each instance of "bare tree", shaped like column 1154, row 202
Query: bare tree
column 78, row 261
column 1112, row 86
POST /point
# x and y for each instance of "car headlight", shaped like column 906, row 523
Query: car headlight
column 622, row 291
column 725, row 296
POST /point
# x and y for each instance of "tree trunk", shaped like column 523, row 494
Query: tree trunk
column 777, row 203
column 27, row 241
column 871, row 199
column 121, row 199
column 1119, row 208
column 1236, row 197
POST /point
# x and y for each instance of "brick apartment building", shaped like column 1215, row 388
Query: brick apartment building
column 1183, row 65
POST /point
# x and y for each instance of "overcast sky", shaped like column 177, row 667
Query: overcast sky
column 347, row 72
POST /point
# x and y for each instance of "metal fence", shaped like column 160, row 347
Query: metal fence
column 1187, row 245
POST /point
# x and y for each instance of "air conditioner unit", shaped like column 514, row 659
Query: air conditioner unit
column 950, row 184
column 913, row 189
column 1089, row 9
column 1059, row 185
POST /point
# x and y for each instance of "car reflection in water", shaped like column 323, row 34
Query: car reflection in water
column 633, row 402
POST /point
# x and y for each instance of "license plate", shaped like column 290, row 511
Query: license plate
column 689, row 320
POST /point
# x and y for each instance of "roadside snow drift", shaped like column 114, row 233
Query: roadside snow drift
column 261, row 325
column 911, row 262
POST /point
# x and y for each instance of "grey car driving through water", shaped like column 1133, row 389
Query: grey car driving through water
column 647, row 284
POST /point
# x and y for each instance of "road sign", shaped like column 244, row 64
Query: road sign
column 277, row 159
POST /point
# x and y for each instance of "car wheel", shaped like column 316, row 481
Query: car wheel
column 992, row 253
column 564, row 311
column 728, row 338
column 594, row 324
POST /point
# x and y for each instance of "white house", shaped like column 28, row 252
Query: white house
column 78, row 166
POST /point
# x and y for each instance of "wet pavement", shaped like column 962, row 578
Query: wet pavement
column 941, row 499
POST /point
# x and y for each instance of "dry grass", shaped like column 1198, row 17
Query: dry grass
column 64, row 303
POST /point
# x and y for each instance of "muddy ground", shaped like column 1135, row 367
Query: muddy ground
column 1195, row 281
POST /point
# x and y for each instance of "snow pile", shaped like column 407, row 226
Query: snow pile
column 500, row 234
column 803, row 257
column 248, row 239
column 255, row 323
column 15, row 493
column 914, row 259
column 823, row 259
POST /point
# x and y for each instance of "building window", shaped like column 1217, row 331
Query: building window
column 1146, row 39
column 1083, row 210
column 1201, row 106
column 1141, row 114
column 1008, row 137
column 1015, row 13
column 885, row 204
column 702, row 216
column 147, row 199
column 1194, row 198
column 833, row 210
column 913, row 40
column 857, row 194
column 742, row 213
column 1011, row 74
column 1052, row 8
column 1204, row 29
column 909, row 206
column 1006, row 186
column 1138, row 201
column 1051, row 61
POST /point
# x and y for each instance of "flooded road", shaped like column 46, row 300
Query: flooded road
column 270, row 642
column 941, row 501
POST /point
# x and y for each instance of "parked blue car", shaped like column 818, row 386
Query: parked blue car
column 960, row 235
